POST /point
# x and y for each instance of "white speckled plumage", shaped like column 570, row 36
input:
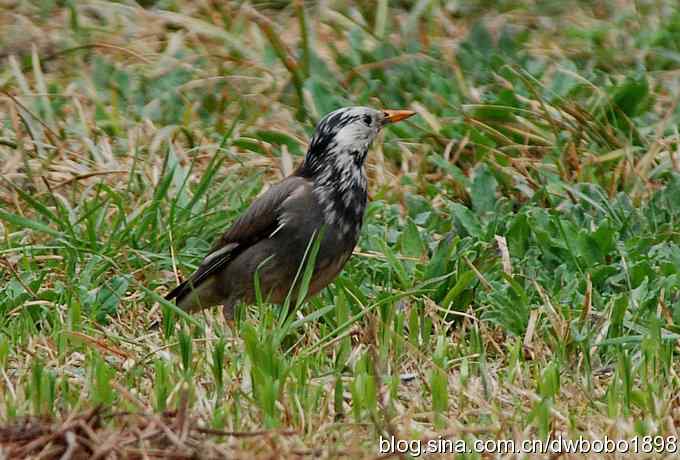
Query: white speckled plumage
column 338, row 167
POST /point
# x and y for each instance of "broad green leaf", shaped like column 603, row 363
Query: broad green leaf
column 483, row 190
column 467, row 219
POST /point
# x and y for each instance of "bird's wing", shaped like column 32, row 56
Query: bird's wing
column 262, row 217
column 258, row 222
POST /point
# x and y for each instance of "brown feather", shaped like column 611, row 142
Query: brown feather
column 255, row 224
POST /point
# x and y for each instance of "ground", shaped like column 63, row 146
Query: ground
column 517, row 278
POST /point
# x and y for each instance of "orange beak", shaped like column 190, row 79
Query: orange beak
column 393, row 116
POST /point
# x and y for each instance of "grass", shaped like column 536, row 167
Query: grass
column 518, row 275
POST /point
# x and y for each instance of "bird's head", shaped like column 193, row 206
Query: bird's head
column 342, row 138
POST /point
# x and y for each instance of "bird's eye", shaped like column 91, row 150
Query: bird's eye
column 368, row 120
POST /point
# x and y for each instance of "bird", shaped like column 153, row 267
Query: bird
column 325, row 197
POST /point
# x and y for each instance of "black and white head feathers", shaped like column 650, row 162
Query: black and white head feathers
column 341, row 136
column 335, row 161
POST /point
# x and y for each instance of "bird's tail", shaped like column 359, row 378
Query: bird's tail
column 190, row 297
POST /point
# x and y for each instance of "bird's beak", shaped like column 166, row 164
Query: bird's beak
column 393, row 116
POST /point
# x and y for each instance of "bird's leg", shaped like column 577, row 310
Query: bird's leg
column 228, row 313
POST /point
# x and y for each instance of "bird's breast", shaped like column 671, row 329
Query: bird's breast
column 343, row 210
